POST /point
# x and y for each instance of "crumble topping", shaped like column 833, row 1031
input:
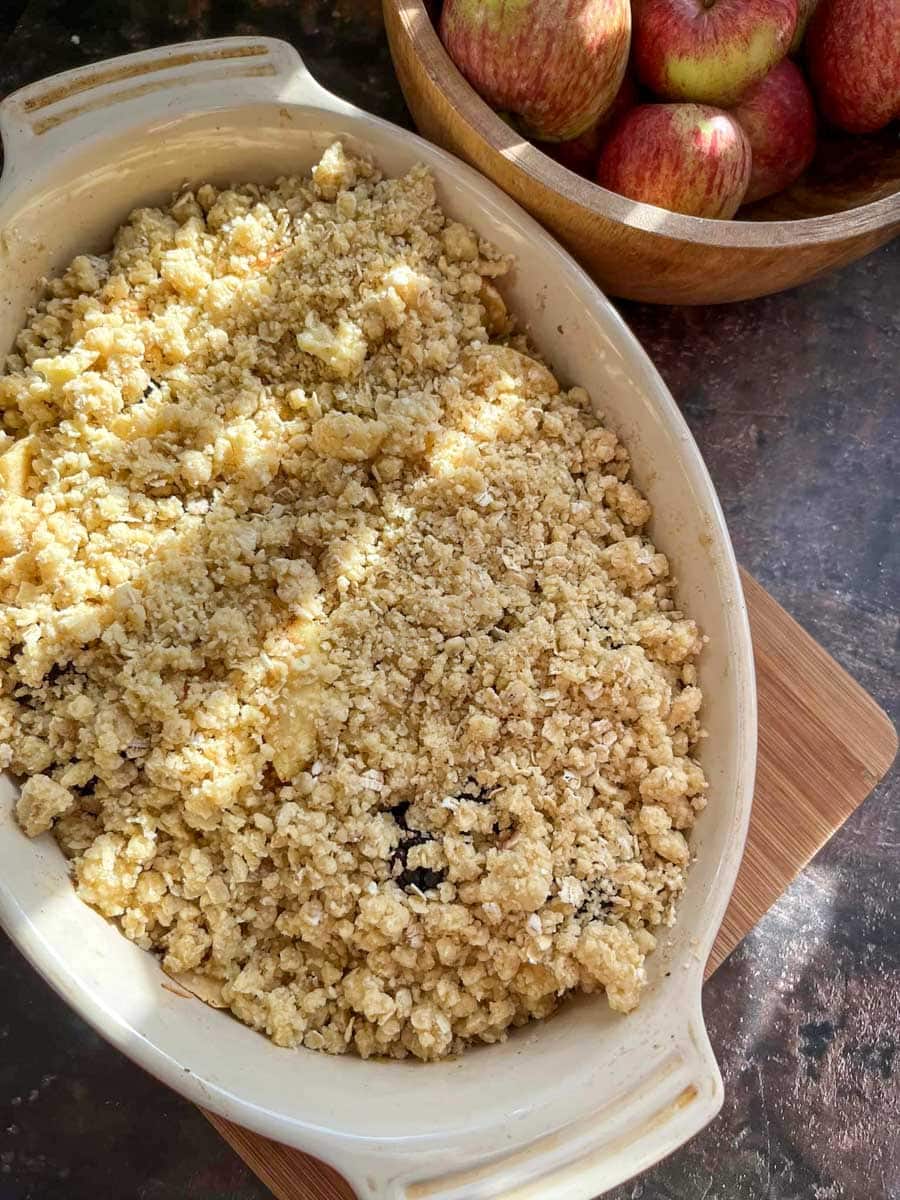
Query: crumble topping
column 334, row 652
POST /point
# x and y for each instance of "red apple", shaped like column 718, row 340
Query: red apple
column 805, row 10
column 710, row 51
column 580, row 154
column 690, row 158
column 779, row 119
column 853, row 54
column 555, row 64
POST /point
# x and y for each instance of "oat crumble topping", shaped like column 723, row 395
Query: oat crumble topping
column 334, row 654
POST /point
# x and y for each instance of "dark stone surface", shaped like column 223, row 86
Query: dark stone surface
column 794, row 401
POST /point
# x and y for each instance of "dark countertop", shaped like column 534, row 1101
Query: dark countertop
column 794, row 402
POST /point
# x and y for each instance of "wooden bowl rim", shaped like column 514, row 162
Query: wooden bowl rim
column 501, row 139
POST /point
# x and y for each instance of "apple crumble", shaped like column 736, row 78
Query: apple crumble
column 334, row 652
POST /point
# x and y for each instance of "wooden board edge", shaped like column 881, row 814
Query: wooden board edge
column 762, row 604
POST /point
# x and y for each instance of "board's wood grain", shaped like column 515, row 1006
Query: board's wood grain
column 848, row 204
column 823, row 745
column 288, row 1174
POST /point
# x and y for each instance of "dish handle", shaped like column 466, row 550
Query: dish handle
column 46, row 120
column 678, row 1093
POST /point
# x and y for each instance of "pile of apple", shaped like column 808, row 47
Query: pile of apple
column 731, row 117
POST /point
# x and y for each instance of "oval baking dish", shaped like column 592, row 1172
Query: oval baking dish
column 565, row 1108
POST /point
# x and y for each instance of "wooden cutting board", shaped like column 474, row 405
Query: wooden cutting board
column 823, row 746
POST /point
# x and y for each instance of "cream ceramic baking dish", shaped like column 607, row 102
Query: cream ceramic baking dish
column 566, row 1108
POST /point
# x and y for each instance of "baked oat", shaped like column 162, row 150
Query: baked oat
column 334, row 654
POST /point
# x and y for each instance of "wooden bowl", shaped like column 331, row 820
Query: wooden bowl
column 846, row 205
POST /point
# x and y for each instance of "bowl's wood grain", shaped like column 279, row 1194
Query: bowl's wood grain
column 847, row 205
